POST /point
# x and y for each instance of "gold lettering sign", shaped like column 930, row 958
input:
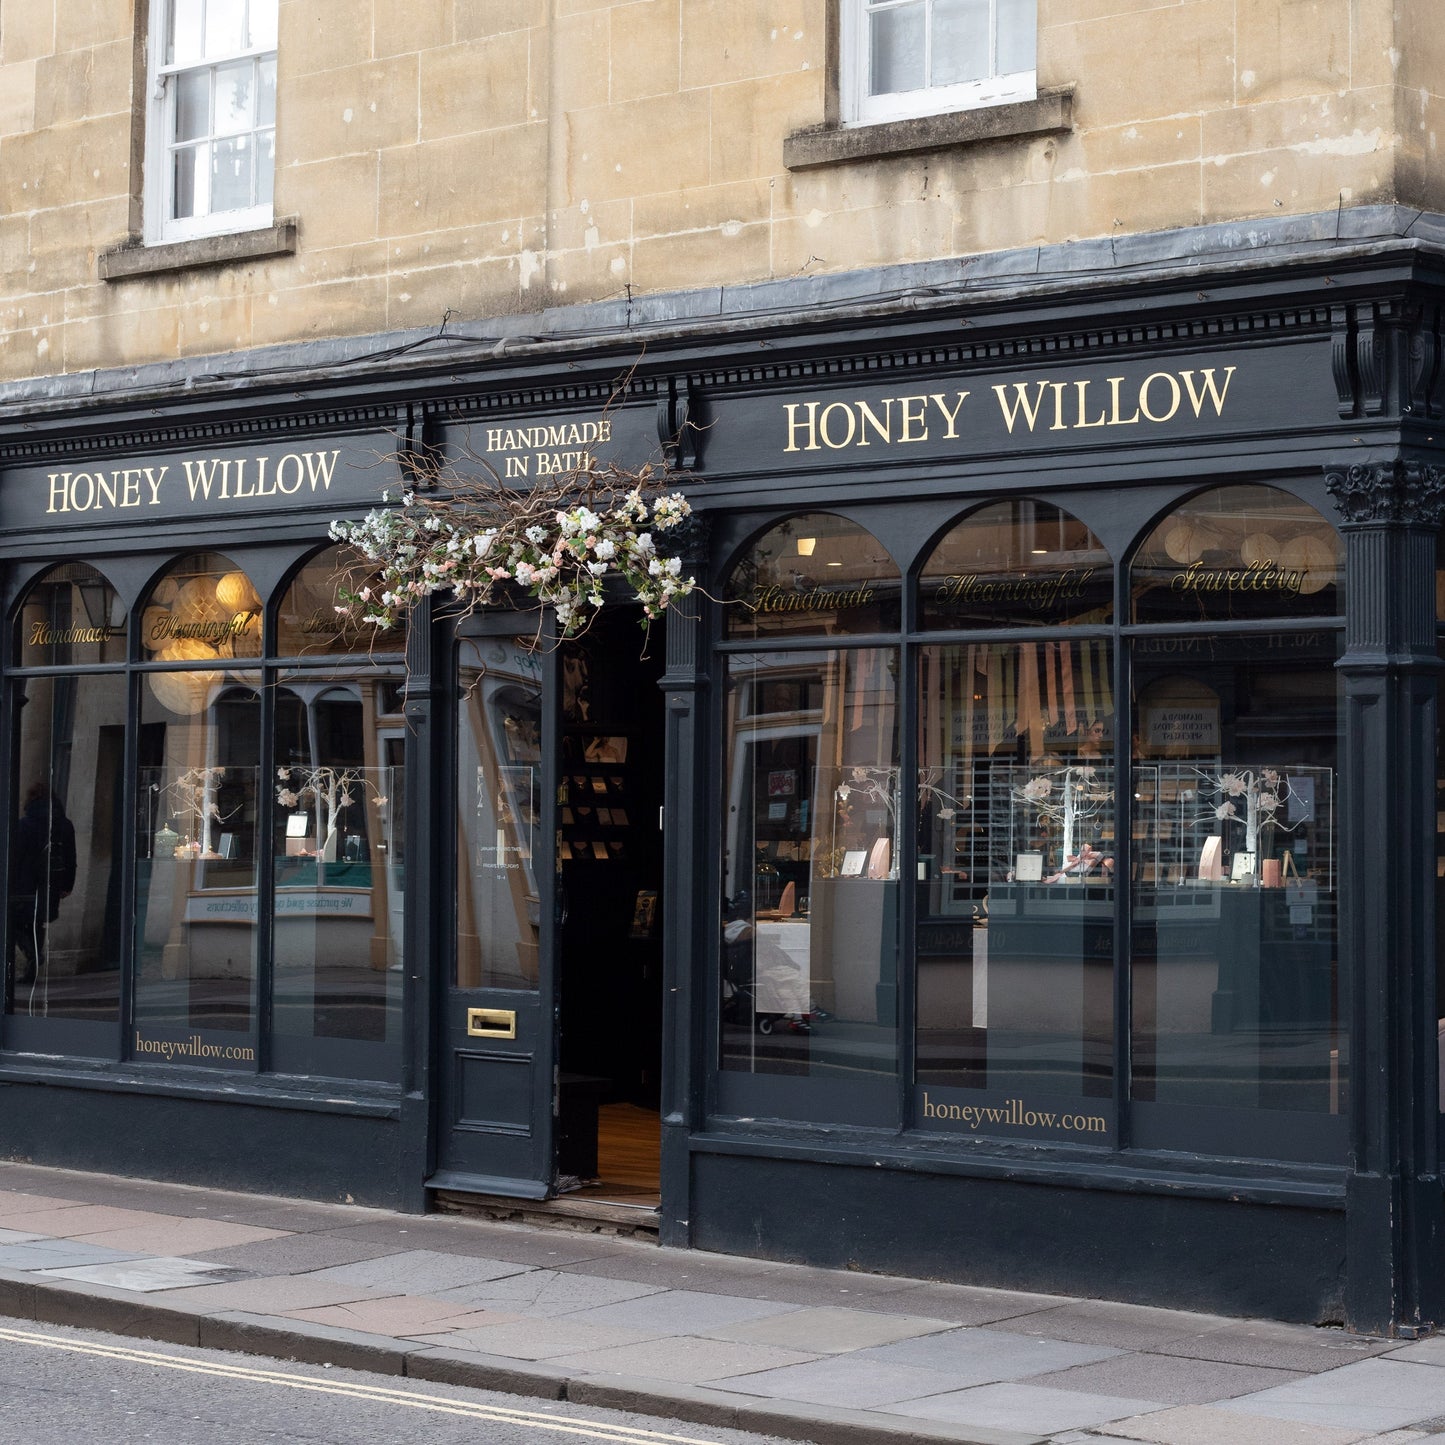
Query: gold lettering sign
column 1032, row 405
column 546, row 449
column 1263, row 576
column 42, row 634
column 1039, row 593
column 168, row 629
column 204, row 479
column 815, row 599
column 1014, row 1114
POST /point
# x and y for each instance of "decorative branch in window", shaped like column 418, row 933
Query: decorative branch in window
column 1254, row 798
column 190, row 799
column 561, row 540
column 877, row 787
column 330, row 791
column 1069, row 797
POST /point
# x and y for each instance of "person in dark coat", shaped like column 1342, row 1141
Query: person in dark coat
column 42, row 872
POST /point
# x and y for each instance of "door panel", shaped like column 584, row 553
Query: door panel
column 498, row 1031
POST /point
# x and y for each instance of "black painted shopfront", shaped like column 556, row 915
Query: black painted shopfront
column 1019, row 867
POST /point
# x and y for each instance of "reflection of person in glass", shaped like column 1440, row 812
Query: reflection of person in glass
column 42, row 872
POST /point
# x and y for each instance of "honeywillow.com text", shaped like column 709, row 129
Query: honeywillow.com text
column 1025, row 407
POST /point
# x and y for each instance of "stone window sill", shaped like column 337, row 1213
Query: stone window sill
column 134, row 259
column 1050, row 113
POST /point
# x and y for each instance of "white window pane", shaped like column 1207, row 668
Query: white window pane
column 960, row 41
column 193, row 104
column 266, row 98
column 190, row 182
column 185, row 36
column 1017, row 36
column 231, row 174
column 263, row 24
column 265, row 167
column 896, row 50
column 235, row 90
column 225, row 26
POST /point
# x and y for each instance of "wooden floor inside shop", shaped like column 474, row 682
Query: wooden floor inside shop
column 629, row 1155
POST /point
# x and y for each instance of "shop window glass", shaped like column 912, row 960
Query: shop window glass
column 338, row 812
column 810, row 864
column 203, row 610
column 814, row 573
column 196, row 858
column 1015, row 814
column 71, row 617
column 1017, row 564
column 1235, row 554
column 65, row 868
column 499, row 767
column 308, row 623
column 1238, row 1004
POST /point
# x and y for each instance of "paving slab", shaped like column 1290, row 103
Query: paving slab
column 529, row 1339
column 1022, row 1407
column 19, row 1202
column 1204, row 1425
column 543, row 1293
column 828, row 1330
column 1422, row 1352
column 58, row 1254
column 550, row 1248
column 963, row 1304
column 184, row 1236
column 680, row 1312
column 293, row 1253
column 976, row 1356
column 419, row 1271
column 272, row 1296
column 1127, row 1326
column 1172, row 1379
column 77, row 1219
column 1281, row 1346
column 398, row 1315
column 146, row 1276
column 683, row 1361
column 841, row 1380
column 1373, row 1394
column 20, row 1236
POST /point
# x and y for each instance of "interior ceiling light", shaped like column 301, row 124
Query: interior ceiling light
column 806, row 545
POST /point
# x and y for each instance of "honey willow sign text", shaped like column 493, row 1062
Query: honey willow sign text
column 1031, row 408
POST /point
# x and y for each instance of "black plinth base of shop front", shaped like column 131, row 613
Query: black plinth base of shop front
column 1220, row 1255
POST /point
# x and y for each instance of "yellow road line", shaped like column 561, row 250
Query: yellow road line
column 624, row 1434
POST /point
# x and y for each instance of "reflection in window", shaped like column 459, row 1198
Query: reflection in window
column 196, row 907
column 65, row 868
column 1237, row 996
column 1017, row 564
column 338, row 811
column 71, row 617
column 810, row 864
column 814, row 573
column 202, row 611
column 499, row 762
column 1015, row 814
column 1236, row 553
column 307, row 622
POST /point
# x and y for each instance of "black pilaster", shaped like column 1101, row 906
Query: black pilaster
column 1387, row 848
column 422, row 940
column 684, row 904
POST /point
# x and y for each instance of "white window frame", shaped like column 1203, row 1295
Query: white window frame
column 160, row 227
column 861, row 108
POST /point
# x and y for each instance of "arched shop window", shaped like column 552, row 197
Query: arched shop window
column 1240, row 1017
column 811, row 821
column 66, row 839
column 1079, row 762
column 1014, row 811
column 261, row 927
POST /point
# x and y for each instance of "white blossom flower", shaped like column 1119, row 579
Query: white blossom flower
column 1225, row 810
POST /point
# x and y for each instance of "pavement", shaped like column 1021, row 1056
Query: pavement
column 806, row 1354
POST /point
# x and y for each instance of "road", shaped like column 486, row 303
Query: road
column 78, row 1387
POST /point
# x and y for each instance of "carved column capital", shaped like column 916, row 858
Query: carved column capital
column 1401, row 492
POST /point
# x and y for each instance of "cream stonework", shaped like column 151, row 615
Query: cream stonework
column 492, row 156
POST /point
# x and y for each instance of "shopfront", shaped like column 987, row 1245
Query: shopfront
column 1016, row 866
